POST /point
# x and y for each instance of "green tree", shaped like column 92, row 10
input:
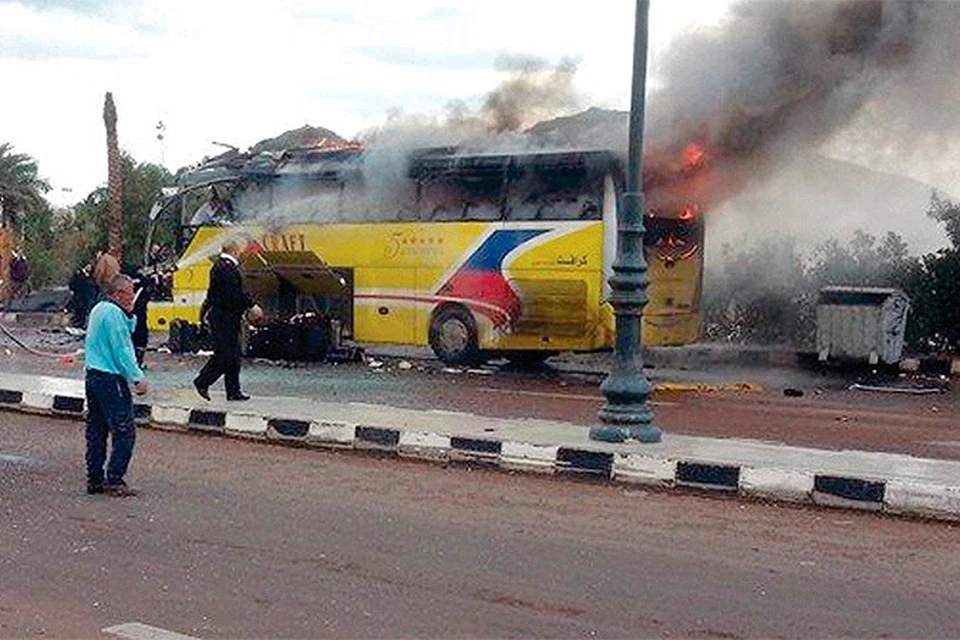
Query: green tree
column 21, row 188
column 934, row 286
column 947, row 212
column 766, row 293
column 862, row 262
column 141, row 187
column 757, row 296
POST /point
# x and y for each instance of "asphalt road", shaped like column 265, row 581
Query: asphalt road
column 238, row 539
column 828, row 416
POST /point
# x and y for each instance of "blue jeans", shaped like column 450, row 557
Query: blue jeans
column 109, row 412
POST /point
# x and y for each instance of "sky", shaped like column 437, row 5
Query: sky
column 236, row 72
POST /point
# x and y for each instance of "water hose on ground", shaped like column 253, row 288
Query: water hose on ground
column 66, row 359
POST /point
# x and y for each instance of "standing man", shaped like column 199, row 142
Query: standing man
column 20, row 275
column 111, row 368
column 141, row 298
column 226, row 304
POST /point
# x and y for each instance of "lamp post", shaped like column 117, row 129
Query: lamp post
column 627, row 414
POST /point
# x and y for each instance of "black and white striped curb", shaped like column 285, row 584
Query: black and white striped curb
column 890, row 495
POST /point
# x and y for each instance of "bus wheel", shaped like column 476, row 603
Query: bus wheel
column 453, row 336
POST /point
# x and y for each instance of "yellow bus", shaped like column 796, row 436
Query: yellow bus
column 477, row 256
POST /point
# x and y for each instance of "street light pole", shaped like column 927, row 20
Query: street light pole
column 627, row 414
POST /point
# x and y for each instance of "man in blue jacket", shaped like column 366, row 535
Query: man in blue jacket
column 111, row 367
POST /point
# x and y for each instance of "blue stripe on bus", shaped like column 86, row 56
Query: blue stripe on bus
column 489, row 256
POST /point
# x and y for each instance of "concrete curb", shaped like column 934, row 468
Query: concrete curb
column 887, row 495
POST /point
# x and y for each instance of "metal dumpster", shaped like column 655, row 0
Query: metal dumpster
column 861, row 324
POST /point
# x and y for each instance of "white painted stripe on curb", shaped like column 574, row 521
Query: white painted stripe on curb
column 423, row 445
column 338, row 433
column 529, row 457
column 830, row 500
column 794, row 486
column 245, row 424
column 140, row 631
column 37, row 400
column 922, row 499
column 639, row 469
column 169, row 415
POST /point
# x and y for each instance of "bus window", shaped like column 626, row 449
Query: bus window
column 462, row 198
column 289, row 199
column 209, row 206
column 547, row 192
column 379, row 200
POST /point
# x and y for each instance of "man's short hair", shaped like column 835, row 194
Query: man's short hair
column 118, row 283
column 105, row 268
column 231, row 247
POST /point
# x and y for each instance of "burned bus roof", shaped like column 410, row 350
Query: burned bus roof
column 434, row 163
column 344, row 164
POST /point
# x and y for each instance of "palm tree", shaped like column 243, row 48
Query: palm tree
column 21, row 192
column 21, row 189
column 114, row 180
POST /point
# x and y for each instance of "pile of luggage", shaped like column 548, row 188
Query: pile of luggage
column 305, row 337
column 188, row 337
column 308, row 337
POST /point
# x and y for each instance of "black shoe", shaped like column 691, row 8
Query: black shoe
column 238, row 397
column 119, row 490
column 93, row 488
column 203, row 391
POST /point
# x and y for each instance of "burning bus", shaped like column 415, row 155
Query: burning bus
column 475, row 255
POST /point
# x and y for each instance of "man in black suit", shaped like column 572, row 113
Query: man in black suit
column 226, row 305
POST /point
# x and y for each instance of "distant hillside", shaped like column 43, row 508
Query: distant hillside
column 815, row 198
column 594, row 128
column 305, row 136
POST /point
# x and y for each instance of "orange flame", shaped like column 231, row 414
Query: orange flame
column 689, row 213
column 694, row 154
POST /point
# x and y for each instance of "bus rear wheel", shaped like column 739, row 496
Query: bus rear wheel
column 453, row 336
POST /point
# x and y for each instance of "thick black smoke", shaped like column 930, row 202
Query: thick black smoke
column 779, row 78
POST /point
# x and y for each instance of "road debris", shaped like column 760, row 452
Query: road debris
column 911, row 390
column 697, row 387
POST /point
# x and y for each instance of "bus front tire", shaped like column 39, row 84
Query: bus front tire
column 453, row 336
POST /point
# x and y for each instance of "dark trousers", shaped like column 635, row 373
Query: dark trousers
column 109, row 412
column 225, row 361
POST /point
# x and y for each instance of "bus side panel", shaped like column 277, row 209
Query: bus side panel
column 673, row 315
column 446, row 253
column 391, row 316
column 559, row 280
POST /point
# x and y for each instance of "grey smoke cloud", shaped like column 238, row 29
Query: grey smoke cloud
column 781, row 78
column 533, row 90
column 869, row 81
